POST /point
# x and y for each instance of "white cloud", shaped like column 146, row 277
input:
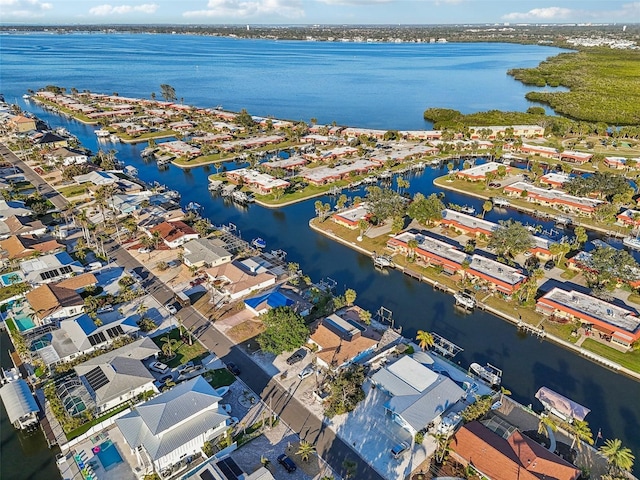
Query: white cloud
column 355, row 2
column 24, row 8
column 249, row 8
column 543, row 14
column 106, row 9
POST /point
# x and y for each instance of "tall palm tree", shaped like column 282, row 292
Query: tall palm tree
column 412, row 244
column 486, row 207
column 504, row 391
column 581, row 432
column 306, row 450
column 425, row 338
column 157, row 239
column 442, row 446
column 546, row 421
column 620, row 458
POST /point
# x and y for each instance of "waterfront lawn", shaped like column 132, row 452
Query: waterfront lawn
column 72, row 113
column 514, row 309
column 183, row 352
column 13, row 289
column 560, row 330
column 219, row 378
column 630, row 360
column 11, row 325
column 72, row 190
column 147, row 136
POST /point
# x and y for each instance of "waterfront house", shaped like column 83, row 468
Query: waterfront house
column 251, row 142
column 324, row 175
column 180, row 148
column 210, row 138
column 292, row 163
column 330, row 154
column 174, row 233
column 467, row 224
column 117, row 376
column 342, row 339
column 173, row 425
column 402, row 152
column 22, row 124
column 97, row 178
column 497, row 455
column 523, row 131
column 262, row 183
column 351, row 217
column 478, row 173
column 419, row 396
column 629, row 218
column 317, row 139
column 620, row 325
column 50, row 140
column 50, row 268
column 205, row 252
column 17, row 247
column 352, row 132
column 53, row 302
column 546, row 152
column 181, row 125
column 236, row 281
column 430, row 251
column 555, row 179
column 279, row 296
column 80, row 335
column 553, row 198
column 66, row 157
column 421, row 134
column 575, row 157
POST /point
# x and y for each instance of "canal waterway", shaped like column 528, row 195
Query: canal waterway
column 528, row 363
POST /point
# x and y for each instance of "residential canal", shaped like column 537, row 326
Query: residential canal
column 527, row 362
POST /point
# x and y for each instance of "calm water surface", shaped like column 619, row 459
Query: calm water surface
column 527, row 363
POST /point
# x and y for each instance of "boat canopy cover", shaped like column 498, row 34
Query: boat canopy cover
column 18, row 400
column 561, row 404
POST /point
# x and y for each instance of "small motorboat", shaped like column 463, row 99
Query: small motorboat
column 258, row 243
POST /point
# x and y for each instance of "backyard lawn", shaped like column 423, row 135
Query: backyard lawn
column 220, row 378
column 631, row 359
column 180, row 348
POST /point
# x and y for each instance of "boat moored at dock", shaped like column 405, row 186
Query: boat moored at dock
column 488, row 373
column 465, row 300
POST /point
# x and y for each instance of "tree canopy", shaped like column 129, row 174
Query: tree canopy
column 168, row 92
column 610, row 265
column 285, row 331
column 604, row 185
column 510, row 238
column 426, row 210
column 384, row 203
column 346, row 391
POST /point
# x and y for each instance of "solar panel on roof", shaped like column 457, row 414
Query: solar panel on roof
column 97, row 338
column 113, row 332
column 66, row 269
column 230, row 469
column 96, row 378
column 207, row 475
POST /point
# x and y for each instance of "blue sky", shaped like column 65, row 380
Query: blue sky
column 316, row 11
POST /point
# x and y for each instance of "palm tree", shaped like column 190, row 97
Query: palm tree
column 620, row 458
column 486, row 207
column 546, row 421
column 305, row 450
column 412, row 244
column 265, row 462
column 581, row 433
column 425, row 338
column 167, row 345
column 157, row 239
column 442, row 446
column 503, row 392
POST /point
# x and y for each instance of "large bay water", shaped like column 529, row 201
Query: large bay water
column 383, row 86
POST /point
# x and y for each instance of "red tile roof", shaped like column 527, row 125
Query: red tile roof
column 171, row 231
column 517, row 457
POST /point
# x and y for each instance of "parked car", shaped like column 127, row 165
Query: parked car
column 158, row 367
column 233, row 368
column 226, row 408
column 297, row 356
column 144, row 250
column 105, row 308
column 134, row 275
column 185, row 366
column 399, row 449
column 494, row 185
column 287, row 463
column 171, row 308
column 549, row 265
column 306, row 372
column 93, row 266
column 173, row 263
column 231, row 421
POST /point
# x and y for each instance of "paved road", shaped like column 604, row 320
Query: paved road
column 294, row 413
column 36, row 180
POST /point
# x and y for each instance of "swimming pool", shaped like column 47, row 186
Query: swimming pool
column 108, row 454
column 11, row 278
column 24, row 322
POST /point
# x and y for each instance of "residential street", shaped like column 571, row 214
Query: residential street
column 301, row 420
column 36, row 180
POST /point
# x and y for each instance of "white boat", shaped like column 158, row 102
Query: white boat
column 102, row 133
column 631, row 242
column 215, row 185
column 227, row 190
column 173, row 194
column 26, row 96
column 193, row 206
column 489, row 373
column 465, row 300
column 383, row 261
column 240, row 197
column 114, row 138
column 467, row 209
column 258, row 243
column 501, row 202
column 148, row 151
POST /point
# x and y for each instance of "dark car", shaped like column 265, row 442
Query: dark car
column 297, row 356
column 233, row 368
column 494, row 185
column 287, row 463
column 549, row 265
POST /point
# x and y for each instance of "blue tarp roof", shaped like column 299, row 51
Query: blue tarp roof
column 273, row 298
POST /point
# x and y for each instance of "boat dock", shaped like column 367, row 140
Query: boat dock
column 535, row 331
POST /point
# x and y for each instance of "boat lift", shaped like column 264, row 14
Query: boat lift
column 445, row 347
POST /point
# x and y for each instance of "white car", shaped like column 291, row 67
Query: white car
column 106, row 308
column 171, row 309
column 306, row 372
column 158, row 367
column 144, row 250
